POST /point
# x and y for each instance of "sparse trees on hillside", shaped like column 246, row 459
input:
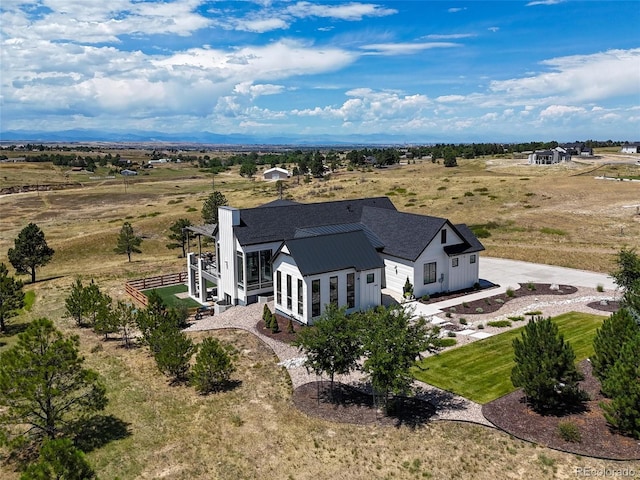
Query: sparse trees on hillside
column 179, row 236
column 210, row 207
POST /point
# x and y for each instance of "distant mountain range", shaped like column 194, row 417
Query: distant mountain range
column 87, row 136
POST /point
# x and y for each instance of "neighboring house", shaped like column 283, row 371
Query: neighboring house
column 579, row 149
column 549, row 157
column 276, row 173
column 128, row 173
column 343, row 252
column 630, row 148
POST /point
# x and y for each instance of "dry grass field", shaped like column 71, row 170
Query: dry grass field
column 557, row 214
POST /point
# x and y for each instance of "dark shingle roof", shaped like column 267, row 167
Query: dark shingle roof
column 279, row 203
column 342, row 228
column 333, row 252
column 471, row 243
column 404, row 235
column 277, row 223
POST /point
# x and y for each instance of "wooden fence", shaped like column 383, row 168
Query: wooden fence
column 134, row 287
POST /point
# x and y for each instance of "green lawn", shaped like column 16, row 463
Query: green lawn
column 168, row 295
column 481, row 371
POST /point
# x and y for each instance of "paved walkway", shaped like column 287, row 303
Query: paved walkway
column 505, row 273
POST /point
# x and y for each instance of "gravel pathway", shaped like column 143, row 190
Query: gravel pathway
column 449, row 406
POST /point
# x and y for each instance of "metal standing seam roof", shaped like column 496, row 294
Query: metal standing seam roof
column 333, row 252
column 342, row 228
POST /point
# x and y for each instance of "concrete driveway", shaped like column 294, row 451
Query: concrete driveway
column 511, row 272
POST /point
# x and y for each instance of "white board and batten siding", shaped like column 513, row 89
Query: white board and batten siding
column 287, row 266
column 396, row 272
column 465, row 274
column 227, row 218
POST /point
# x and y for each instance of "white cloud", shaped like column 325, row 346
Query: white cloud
column 456, row 9
column 404, row 48
column 557, row 111
column 493, row 29
column 350, row 11
column 262, row 25
column 254, row 91
column 579, row 78
column 544, row 2
column 451, row 36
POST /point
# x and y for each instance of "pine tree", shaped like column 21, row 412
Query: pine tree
column 179, row 235
column 210, row 207
column 11, row 296
column 128, row 242
column 622, row 385
column 75, row 303
column 59, row 459
column 44, row 388
column 545, row 367
column 30, row 251
column 267, row 316
column 275, row 328
column 615, row 331
column 172, row 351
column 213, row 367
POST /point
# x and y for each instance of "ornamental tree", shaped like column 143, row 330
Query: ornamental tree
column 30, row 251
column 332, row 345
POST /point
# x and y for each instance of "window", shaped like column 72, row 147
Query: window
column 429, row 273
column 472, row 259
column 240, row 264
column 454, row 262
column 333, row 290
column 218, row 257
column 289, row 293
column 300, row 298
column 443, row 236
column 351, row 290
column 259, row 269
column 279, row 287
column 315, row 298
column 371, row 278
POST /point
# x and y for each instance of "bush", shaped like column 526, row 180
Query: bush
column 451, row 334
column 275, row 328
column 499, row 301
column 425, row 298
column 600, row 288
column 290, row 327
column 518, row 318
column 463, row 321
column 510, row 292
column 534, row 313
column 499, row 323
column 481, row 327
column 465, row 304
column 479, row 310
column 446, row 342
column 531, row 286
column 468, row 194
column 448, row 314
column 267, row 316
column 569, row 432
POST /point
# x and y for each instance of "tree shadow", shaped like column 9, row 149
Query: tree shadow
column 42, row 280
column 99, row 430
column 227, row 386
column 14, row 329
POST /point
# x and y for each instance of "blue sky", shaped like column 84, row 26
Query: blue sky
column 423, row 70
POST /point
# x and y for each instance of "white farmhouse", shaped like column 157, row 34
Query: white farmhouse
column 343, row 252
column 276, row 173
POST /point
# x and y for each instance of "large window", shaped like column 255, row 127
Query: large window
column 300, row 298
column 289, row 293
column 279, row 287
column 259, row 269
column 333, row 290
column 315, row 298
column 429, row 273
column 351, row 290
column 240, row 267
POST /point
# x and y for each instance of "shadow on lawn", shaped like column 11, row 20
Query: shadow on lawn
column 99, row 430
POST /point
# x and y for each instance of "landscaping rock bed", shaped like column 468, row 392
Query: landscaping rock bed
column 610, row 306
column 511, row 414
column 494, row 303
